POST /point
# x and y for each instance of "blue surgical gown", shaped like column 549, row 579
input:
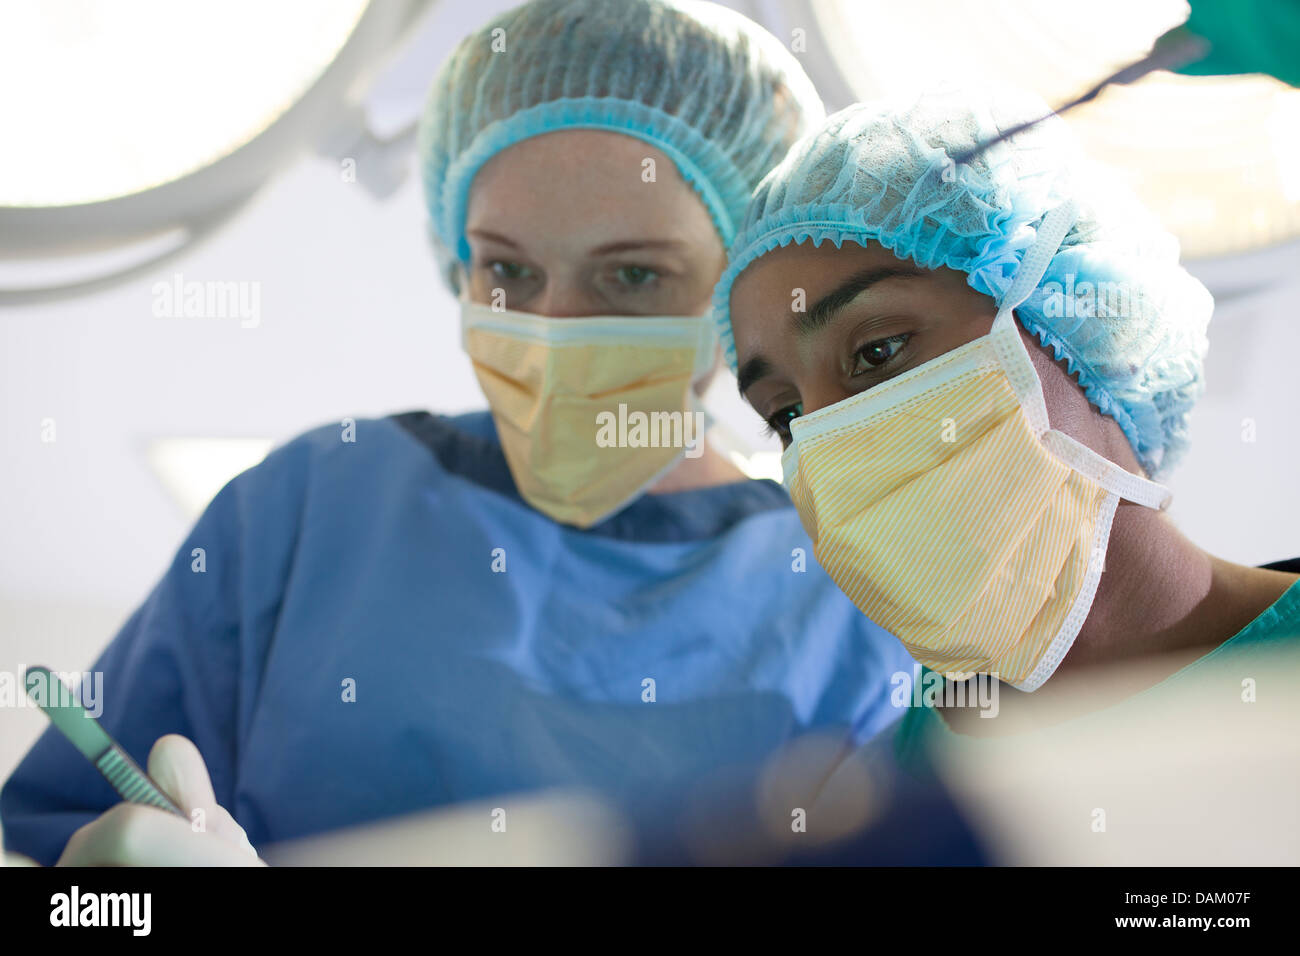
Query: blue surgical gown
column 489, row 649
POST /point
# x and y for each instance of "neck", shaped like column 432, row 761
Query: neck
column 1152, row 595
column 705, row 471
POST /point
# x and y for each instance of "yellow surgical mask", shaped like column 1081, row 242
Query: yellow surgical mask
column 590, row 411
column 950, row 512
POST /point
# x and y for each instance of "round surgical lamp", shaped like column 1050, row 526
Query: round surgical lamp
column 1216, row 158
column 130, row 129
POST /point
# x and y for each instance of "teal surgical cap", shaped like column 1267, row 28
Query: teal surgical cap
column 1115, row 304
column 714, row 91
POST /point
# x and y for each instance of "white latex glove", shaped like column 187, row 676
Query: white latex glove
column 131, row 834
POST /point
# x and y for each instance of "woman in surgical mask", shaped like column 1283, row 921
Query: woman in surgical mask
column 979, row 373
column 570, row 588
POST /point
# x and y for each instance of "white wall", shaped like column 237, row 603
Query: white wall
column 1237, row 497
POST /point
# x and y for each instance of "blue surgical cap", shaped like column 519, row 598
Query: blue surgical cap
column 714, row 91
column 1115, row 304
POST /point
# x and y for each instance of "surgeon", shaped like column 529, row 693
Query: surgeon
column 980, row 373
column 570, row 589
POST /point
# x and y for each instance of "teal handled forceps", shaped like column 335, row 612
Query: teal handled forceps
column 1179, row 51
column 1220, row 37
column 84, row 732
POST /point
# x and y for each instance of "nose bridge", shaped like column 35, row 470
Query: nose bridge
column 565, row 295
column 816, row 393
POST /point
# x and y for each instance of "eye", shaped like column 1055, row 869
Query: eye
column 779, row 424
column 510, row 271
column 877, row 354
column 635, row 276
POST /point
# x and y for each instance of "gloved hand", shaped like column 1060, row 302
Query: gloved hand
column 131, row 834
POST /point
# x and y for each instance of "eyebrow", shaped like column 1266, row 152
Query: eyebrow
column 622, row 245
column 828, row 305
column 493, row 236
column 821, row 313
column 756, row 368
column 627, row 245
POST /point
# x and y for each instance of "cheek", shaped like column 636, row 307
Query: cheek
column 695, row 289
column 478, row 287
column 695, row 286
column 1067, row 407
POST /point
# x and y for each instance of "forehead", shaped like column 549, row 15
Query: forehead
column 562, row 177
column 764, row 293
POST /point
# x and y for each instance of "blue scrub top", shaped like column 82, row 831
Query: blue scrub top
column 491, row 649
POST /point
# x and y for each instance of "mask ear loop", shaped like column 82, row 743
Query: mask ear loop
column 706, row 357
column 1024, row 378
column 1106, row 473
column 1004, row 337
column 1051, row 233
column 464, row 304
column 706, row 348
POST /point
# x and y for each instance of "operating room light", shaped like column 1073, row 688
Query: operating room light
column 1213, row 157
column 104, row 99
